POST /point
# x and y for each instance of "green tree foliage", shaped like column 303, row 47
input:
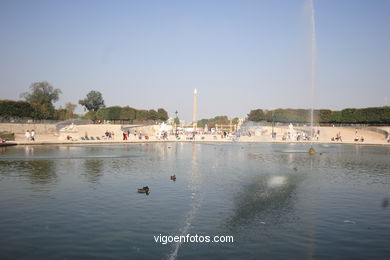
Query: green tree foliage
column 162, row 114
column 94, row 101
column 323, row 115
column 42, row 93
column 221, row 119
column 102, row 114
column 256, row 115
column 61, row 114
column 348, row 115
column 91, row 115
column 128, row 113
column 385, row 114
column 375, row 115
column 211, row 122
column 152, row 115
column 114, row 113
column 15, row 109
column 291, row 115
column 69, row 107
column 371, row 115
column 43, row 111
column 203, row 122
column 142, row 115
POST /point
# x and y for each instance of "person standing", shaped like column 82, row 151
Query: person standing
column 33, row 135
column 27, row 135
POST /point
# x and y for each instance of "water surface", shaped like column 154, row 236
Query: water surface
column 81, row 202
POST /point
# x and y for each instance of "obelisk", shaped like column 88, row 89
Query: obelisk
column 195, row 115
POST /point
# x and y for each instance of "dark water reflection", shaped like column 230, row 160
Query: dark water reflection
column 278, row 202
column 36, row 171
column 266, row 195
column 93, row 170
column 40, row 171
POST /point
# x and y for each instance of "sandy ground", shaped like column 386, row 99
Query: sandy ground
column 348, row 135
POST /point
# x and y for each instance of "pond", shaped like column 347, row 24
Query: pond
column 274, row 200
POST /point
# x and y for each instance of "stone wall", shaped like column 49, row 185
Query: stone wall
column 98, row 130
column 21, row 128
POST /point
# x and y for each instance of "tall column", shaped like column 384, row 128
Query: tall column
column 195, row 115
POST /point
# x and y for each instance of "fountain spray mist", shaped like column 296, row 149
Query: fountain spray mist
column 312, row 70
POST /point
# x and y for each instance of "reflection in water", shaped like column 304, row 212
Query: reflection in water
column 311, row 222
column 263, row 195
column 93, row 170
column 250, row 191
column 195, row 183
column 28, row 151
column 41, row 171
column 385, row 202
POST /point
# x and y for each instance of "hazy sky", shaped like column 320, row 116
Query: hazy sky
column 240, row 55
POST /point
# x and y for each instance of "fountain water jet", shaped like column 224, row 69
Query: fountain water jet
column 312, row 72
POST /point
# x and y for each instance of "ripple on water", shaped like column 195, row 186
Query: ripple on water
column 82, row 202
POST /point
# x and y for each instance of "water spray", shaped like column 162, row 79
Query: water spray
column 312, row 73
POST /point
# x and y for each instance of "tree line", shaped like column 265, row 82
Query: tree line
column 219, row 120
column 39, row 102
column 370, row 115
column 117, row 113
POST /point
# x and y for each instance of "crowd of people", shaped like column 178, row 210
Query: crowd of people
column 137, row 134
column 162, row 136
column 299, row 136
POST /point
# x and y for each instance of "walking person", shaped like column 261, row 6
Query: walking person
column 33, row 135
column 27, row 135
